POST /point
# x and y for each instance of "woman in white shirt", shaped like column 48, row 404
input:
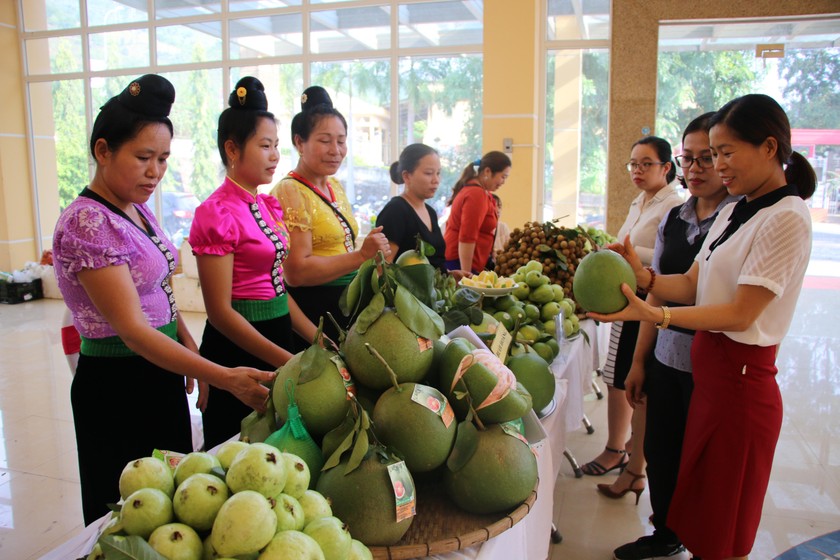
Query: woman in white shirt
column 743, row 285
column 652, row 171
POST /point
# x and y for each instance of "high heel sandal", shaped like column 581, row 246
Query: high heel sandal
column 594, row 468
column 607, row 490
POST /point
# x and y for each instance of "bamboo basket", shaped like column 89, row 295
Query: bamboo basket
column 440, row 526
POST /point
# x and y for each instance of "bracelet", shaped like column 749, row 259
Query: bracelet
column 666, row 318
column 652, row 280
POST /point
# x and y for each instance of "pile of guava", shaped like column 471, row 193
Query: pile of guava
column 249, row 500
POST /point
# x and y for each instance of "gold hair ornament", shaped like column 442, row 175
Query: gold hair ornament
column 241, row 92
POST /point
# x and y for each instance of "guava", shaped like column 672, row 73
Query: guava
column 144, row 511
column 597, row 281
column 549, row 310
column 297, row 475
column 195, row 462
column 521, row 290
column 244, row 525
column 289, row 513
column 535, row 279
column 176, row 541
column 358, row 551
column 228, row 450
column 292, row 545
column 541, row 294
column 96, row 553
column 332, row 536
column 146, row 472
column 260, row 467
column 198, row 500
column 314, row 505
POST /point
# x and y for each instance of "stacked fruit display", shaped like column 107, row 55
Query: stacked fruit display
column 246, row 501
column 558, row 249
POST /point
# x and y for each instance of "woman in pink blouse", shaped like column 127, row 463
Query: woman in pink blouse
column 240, row 242
column 113, row 264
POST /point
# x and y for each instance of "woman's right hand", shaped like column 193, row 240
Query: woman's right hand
column 375, row 242
column 249, row 386
column 634, row 385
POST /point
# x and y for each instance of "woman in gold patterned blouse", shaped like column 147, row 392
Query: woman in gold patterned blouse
column 323, row 258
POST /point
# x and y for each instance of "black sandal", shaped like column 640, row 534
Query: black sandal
column 594, row 468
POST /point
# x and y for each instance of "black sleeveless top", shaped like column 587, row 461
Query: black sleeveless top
column 678, row 253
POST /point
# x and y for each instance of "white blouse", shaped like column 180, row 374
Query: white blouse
column 771, row 250
column 643, row 220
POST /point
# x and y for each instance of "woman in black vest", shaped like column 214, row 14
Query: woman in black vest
column 661, row 370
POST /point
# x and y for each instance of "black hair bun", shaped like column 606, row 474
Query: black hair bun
column 249, row 94
column 314, row 96
column 149, row 95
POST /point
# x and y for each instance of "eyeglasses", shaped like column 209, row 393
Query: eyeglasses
column 703, row 162
column 644, row 166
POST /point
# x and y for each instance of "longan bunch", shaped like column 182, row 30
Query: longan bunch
column 558, row 249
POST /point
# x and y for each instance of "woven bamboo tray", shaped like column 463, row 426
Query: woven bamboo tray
column 440, row 526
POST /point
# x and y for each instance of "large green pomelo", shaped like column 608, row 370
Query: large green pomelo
column 364, row 500
column 322, row 402
column 480, row 382
column 498, row 477
column 533, row 372
column 412, row 429
column 407, row 354
column 598, row 279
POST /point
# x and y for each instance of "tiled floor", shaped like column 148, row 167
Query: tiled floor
column 39, row 485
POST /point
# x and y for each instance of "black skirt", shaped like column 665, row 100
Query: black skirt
column 123, row 409
column 315, row 302
column 224, row 412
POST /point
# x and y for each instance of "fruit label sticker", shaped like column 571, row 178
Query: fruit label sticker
column 345, row 375
column 403, row 490
column 424, row 344
column 434, row 400
column 510, row 429
column 171, row 458
column 501, row 342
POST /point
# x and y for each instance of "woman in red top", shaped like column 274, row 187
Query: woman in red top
column 471, row 227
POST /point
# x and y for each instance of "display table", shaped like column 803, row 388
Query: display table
column 530, row 538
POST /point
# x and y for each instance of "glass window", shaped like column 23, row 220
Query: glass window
column 194, row 169
column 350, row 30
column 109, row 12
column 182, row 8
column 55, row 14
column 703, row 65
column 61, row 142
column 261, row 37
column 197, row 42
column 283, row 86
column 575, row 20
column 361, row 90
column 119, row 49
column 440, row 105
column 576, row 135
column 54, row 55
column 247, row 5
column 433, row 24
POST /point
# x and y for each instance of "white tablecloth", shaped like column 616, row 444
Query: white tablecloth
column 530, row 538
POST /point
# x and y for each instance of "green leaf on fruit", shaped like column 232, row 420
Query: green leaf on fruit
column 128, row 548
column 466, row 297
column 476, row 315
column 313, row 363
column 419, row 279
column 416, row 316
column 370, row 313
column 466, row 442
column 360, row 449
column 543, row 248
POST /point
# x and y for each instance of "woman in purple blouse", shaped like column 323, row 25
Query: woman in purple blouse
column 240, row 243
column 113, row 264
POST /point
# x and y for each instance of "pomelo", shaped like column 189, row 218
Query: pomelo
column 598, row 279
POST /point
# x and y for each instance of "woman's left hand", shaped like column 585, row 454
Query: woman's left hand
column 636, row 310
column 375, row 242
